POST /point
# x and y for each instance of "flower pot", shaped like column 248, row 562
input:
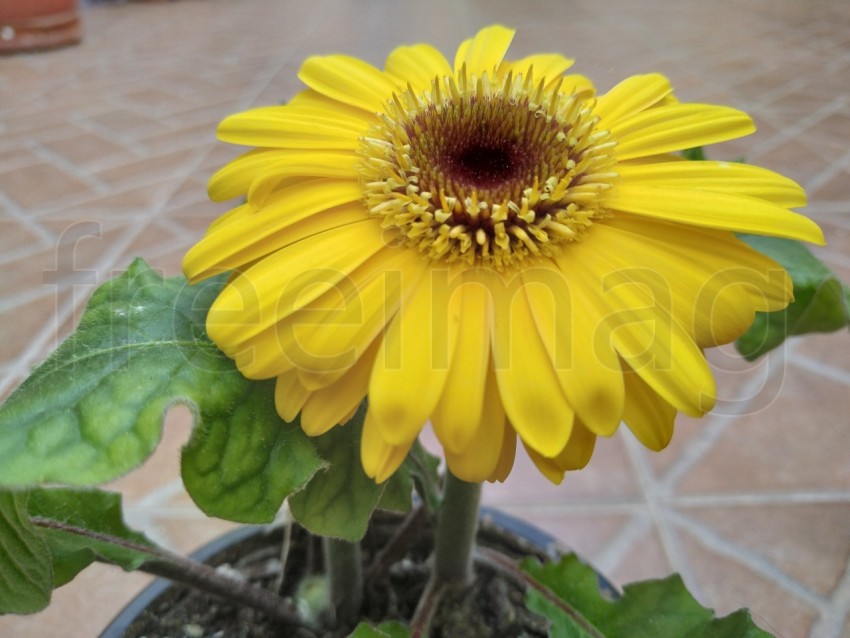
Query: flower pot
column 31, row 25
column 248, row 548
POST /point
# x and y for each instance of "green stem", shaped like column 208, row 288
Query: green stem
column 161, row 562
column 344, row 566
column 457, row 524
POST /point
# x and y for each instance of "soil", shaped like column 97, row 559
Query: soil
column 492, row 606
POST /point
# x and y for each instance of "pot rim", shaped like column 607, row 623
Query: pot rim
column 548, row 545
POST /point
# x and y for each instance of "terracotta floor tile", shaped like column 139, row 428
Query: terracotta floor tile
column 726, row 586
column 794, row 159
column 33, row 186
column 798, row 442
column 809, row 542
column 836, row 188
column 72, row 613
column 89, row 150
column 124, row 124
column 14, row 236
column 608, row 478
column 149, row 168
column 18, row 322
column 585, row 533
column 645, row 560
column 823, row 348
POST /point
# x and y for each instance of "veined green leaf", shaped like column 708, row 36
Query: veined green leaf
column 82, row 526
column 26, row 572
column 821, row 302
column 340, row 499
column 94, row 409
column 648, row 609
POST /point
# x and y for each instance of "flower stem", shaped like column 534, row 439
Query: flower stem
column 456, row 526
column 344, row 567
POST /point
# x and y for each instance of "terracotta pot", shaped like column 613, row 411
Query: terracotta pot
column 30, row 25
column 510, row 534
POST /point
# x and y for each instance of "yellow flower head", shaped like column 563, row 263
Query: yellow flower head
column 491, row 247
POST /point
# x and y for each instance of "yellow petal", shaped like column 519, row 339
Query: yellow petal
column 705, row 290
column 643, row 330
column 677, row 126
column 484, row 52
column 300, row 163
column 273, row 168
column 418, row 64
column 507, row 454
column 580, row 85
column 329, row 333
column 716, row 253
column 333, row 331
column 309, row 98
column 267, row 230
column 483, row 453
column 726, row 211
column 575, row 455
column 631, row 96
column 348, row 80
column 413, row 364
column 235, row 177
column 545, row 65
column 723, row 177
column 289, row 279
column 293, row 127
column 380, row 459
column 457, row 416
column 330, row 405
column 649, row 417
column 262, row 357
column 530, row 391
column 578, row 347
column 289, row 396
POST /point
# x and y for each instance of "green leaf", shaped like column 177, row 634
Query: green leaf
column 94, row 409
column 821, row 301
column 695, row 154
column 398, row 492
column 82, row 526
column 389, row 629
column 242, row 466
column 340, row 499
column 26, row 573
column 424, row 469
column 419, row 470
column 646, row 610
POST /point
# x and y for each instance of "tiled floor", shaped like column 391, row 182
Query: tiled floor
column 104, row 153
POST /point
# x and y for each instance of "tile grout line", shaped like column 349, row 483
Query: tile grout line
column 831, row 622
column 659, row 513
column 615, row 551
column 761, row 498
column 715, row 429
column 789, row 133
column 821, row 369
column 716, row 542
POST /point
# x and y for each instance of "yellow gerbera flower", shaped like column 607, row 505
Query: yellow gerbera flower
column 491, row 247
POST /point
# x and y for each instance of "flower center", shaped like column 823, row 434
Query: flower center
column 487, row 174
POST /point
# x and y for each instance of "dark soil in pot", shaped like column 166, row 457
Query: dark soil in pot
column 492, row 607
